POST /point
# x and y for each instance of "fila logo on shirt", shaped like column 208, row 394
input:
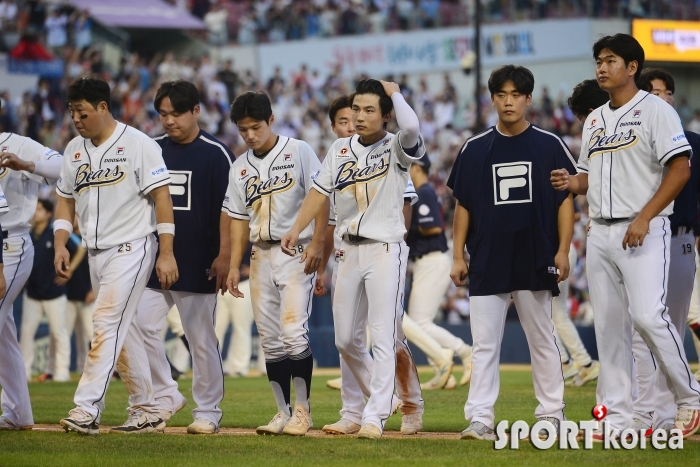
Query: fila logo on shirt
column 181, row 189
column 600, row 143
column 85, row 178
column 512, row 183
column 349, row 174
column 255, row 189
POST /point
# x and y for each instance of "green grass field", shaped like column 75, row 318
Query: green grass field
column 249, row 403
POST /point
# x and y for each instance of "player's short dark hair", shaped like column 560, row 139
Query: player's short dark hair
column 91, row 88
column 338, row 104
column 587, row 95
column 253, row 104
column 46, row 204
column 183, row 95
column 625, row 46
column 521, row 77
column 650, row 74
column 372, row 86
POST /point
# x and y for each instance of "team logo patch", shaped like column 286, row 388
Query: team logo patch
column 593, row 122
column 678, row 137
column 599, row 142
column 4, row 149
column 252, row 253
column 120, row 151
column 340, row 255
column 343, row 152
column 181, row 189
column 386, row 141
column 76, row 156
column 85, row 178
column 287, row 157
column 159, row 171
column 512, row 183
column 424, row 210
column 243, row 172
column 637, row 114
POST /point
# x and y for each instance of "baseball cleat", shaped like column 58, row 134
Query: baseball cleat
column 586, row 374
column 299, row 423
column 466, row 358
column 369, row 431
column 569, row 370
column 342, row 427
column 80, row 421
column 45, row 377
column 443, row 370
column 639, row 425
column 166, row 415
column 477, row 430
column 202, row 426
column 275, row 426
column 667, row 427
column 544, row 434
column 7, row 425
column 688, row 421
column 411, row 423
column 396, row 404
column 451, row 382
column 140, row 422
column 334, row 383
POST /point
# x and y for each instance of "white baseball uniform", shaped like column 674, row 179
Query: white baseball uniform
column 368, row 183
column 110, row 185
column 625, row 151
column 267, row 191
column 20, row 191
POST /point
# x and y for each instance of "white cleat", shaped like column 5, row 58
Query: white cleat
column 299, row 423
column 275, row 426
column 569, row 370
column 466, row 357
column 451, row 383
column 202, row 426
column 80, row 421
column 7, row 425
column 369, row 431
column 411, row 423
column 334, row 383
column 342, row 427
column 140, row 422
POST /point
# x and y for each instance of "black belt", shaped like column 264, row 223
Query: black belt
column 355, row 238
column 4, row 234
column 272, row 242
column 681, row 230
column 614, row 220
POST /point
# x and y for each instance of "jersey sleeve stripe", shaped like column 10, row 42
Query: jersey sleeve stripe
column 321, row 189
column 155, row 185
column 217, row 145
column 566, row 150
column 580, row 169
column 235, row 215
column 674, row 151
column 158, row 138
column 63, row 193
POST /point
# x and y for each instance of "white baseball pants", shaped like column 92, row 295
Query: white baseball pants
column 564, row 327
column 55, row 311
column 488, row 316
column 18, row 258
column 377, row 271
column 654, row 395
column 79, row 319
column 198, row 316
column 431, row 280
column 281, row 297
column 119, row 276
column 239, row 312
column 694, row 310
column 629, row 288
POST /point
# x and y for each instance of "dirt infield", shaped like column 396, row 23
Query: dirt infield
column 181, row 430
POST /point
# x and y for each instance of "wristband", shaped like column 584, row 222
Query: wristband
column 62, row 224
column 165, row 229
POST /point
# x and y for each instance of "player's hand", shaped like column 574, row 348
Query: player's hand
column 290, row 240
column 61, row 261
column 219, row 269
column 234, row 277
column 560, row 179
column 459, row 273
column 390, row 87
column 166, row 270
column 637, row 230
column 313, row 257
column 63, row 280
column 3, row 284
column 561, row 261
column 11, row 161
column 320, row 286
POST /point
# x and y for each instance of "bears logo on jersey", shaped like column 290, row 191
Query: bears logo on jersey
column 599, row 143
column 255, row 190
column 349, row 174
column 86, row 178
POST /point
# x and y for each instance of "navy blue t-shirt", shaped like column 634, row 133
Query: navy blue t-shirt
column 79, row 284
column 41, row 285
column 685, row 205
column 199, row 173
column 427, row 213
column 504, row 184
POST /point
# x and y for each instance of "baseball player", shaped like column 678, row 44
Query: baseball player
column 115, row 180
column 655, row 405
column 368, row 174
column 428, row 250
column 518, row 231
column 267, row 185
column 694, row 309
column 634, row 162
column 24, row 165
column 198, row 164
column 352, row 395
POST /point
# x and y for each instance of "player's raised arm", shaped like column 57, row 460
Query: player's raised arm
column 166, row 267
column 406, row 118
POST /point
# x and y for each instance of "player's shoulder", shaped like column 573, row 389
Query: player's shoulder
column 162, row 140
column 297, row 144
column 75, row 144
column 477, row 140
column 132, row 136
column 217, row 148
